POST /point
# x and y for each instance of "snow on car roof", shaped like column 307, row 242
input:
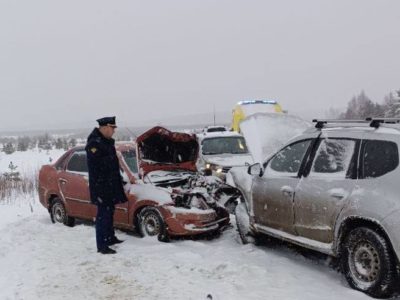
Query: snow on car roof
column 383, row 129
column 215, row 128
column 206, row 135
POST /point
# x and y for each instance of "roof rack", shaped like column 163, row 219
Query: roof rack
column 376, row 122
column 321, row 123
column 373, row 122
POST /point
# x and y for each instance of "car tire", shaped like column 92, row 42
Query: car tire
column 368, row 262
column 151, row 224
column 59, row 213
column 243, row 225
column 230, row 206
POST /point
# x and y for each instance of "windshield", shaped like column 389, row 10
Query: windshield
column 130, row 159
column 223, row 145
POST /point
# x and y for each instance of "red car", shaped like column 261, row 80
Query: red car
column 151, row 210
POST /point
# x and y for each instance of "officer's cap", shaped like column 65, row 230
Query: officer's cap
column 110, row 121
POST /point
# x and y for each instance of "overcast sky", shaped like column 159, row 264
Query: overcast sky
column 65, row 63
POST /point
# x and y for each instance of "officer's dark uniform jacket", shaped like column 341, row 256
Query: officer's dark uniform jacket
column 105, row 181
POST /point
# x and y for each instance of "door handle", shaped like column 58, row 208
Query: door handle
column 62, row 181
column 287, row 191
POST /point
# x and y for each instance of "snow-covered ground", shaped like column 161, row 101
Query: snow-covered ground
column 41, row 260
column 28, row 162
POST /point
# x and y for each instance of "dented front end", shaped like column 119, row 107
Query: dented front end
column 168, row 159
column 193, row 214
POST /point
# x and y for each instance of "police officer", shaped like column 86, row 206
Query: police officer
column 105, row 182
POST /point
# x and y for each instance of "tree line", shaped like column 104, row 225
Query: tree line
column 44, row 142
column 361, row 107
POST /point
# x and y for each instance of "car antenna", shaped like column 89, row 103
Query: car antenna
column 127, row 129
column 130, row 131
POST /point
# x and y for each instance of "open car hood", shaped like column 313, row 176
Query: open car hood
column 266, row 133
column 160, row 149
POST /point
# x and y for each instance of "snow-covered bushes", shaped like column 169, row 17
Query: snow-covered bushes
column 25, row 187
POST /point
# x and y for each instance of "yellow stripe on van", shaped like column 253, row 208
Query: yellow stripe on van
column 278, row 108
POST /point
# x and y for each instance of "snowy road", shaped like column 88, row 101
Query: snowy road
column 40, row 260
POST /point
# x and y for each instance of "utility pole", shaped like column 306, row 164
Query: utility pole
column 214, row 116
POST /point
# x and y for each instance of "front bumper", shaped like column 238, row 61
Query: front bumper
column 184, row 222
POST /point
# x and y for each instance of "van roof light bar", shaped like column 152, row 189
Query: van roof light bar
column 247, row 102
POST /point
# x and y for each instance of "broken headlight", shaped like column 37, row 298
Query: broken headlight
column 213, row 168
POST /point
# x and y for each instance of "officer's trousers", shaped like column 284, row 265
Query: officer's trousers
column 104, row 225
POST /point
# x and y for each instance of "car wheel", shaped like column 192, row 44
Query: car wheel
column 243, row 224
column 151, row 224
column 368, row 262
column 59, row 213
column 231, row 206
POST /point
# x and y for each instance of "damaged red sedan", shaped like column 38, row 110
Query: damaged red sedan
column 153, row 208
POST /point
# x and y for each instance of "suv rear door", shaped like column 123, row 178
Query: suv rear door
column 329, row 180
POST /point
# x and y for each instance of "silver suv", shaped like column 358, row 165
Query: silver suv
column 334, row 189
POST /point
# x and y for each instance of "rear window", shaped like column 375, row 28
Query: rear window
column 78, row 162
column 379, row 158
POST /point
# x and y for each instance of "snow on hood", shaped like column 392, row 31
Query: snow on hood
column 157, row 177
column 144, row 191
column 265, row 133
column 161, row 149
column 229, row 160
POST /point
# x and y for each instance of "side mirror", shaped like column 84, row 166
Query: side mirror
column 255, row 169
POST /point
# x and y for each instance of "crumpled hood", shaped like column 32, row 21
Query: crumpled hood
column 229, row 160
column 160, row 149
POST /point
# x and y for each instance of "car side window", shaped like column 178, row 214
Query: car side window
column 333, row 158
column 379, row 158
column 287, row 162
column 130, row 159
column 77, row 162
